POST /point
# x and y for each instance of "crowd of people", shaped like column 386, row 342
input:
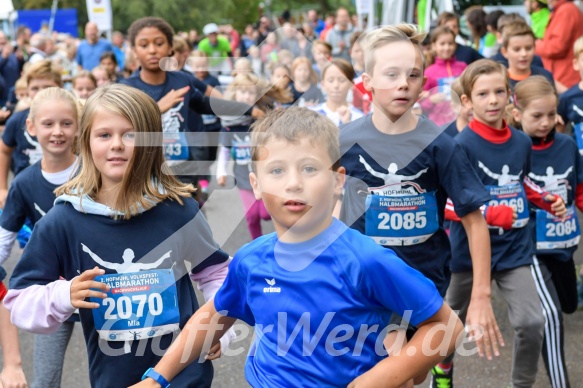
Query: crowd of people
column 462, row 154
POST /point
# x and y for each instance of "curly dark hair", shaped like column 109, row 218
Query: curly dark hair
column 150, row 21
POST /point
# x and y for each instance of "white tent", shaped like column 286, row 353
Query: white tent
column 6, row 8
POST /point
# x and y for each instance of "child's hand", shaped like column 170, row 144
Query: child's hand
column 214, row 352
column 222, row 180
column 559, row 120
column 344, row 114
column 81, row 288
column 12, row 376
column 558, row 207
column 172, row 98
column 257, row 113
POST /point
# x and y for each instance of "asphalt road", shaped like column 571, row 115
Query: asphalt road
column 229, row 371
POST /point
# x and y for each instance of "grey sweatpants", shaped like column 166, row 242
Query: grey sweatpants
column 524, row 311
column 49, row 355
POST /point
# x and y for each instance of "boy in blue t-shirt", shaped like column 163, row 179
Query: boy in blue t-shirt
column 315, row 276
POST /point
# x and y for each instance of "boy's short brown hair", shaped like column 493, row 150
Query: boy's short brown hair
column 322, row 44
column 478, row 68
column 44, row 70
column 578, row 47
column 294, row 124
column 388, row 34
column 516, row 29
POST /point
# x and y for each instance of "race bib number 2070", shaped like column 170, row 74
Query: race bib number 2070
column 138, row 305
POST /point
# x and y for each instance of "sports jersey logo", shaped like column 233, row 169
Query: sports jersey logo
column 271, row 288
column 504, row 178
column 34, row 154
column 394, row 183
column 38, row 209
column 554, row 183
column 128, row 265
column 171, row 120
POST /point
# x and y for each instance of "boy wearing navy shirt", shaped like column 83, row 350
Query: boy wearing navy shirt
column 18, row 149
column 571, row 102
column 313, row 273
column 401, row 168
column 518, row 48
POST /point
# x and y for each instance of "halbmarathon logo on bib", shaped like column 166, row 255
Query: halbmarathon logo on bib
column 271, row 288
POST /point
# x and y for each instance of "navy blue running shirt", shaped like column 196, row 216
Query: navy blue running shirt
column 67, row 242
column 557, row 167
column 403, row 182
column 30, row 196
column 503, row 169
column 27, row 151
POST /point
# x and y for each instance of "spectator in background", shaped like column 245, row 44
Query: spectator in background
column 193, row 38
column 248, row 40
column 476, row 21
column 38, row 45
column 503, row 22
column 232, row 35
column 492, row 27
column 315, row 22
column 117, row 41
column 539, row 16
column 330, row 21
column 339, row 36
column 269, row 48
column 263, row 28
column 304, row 48
column 90, row 50
column 556, row 47
column 462, row 52
column 289, row 40
column 9, row 66
column 217, row 48
column 308, row 32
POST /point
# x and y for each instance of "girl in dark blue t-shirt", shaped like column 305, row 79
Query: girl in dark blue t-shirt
column 115, row 246
column 557, row 167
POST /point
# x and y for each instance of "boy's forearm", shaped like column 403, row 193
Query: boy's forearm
column 479, row 242
column 428, row 346
column 5, row 160
column 203, row 329
column 9, row 339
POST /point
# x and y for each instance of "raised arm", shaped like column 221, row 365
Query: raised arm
column 369, row 168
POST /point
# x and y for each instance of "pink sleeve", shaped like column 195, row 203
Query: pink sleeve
column 40, row 309
column 211, row 279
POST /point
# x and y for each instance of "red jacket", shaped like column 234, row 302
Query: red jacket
column 556, row 47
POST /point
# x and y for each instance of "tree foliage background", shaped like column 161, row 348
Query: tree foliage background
column 186, row 14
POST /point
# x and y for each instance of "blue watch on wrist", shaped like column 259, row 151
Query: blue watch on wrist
column 151, row 373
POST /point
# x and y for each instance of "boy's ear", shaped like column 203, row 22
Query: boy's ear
column 30, row 128
column 503, row 51
column 466, row 101
column 366, row 82
column 255, row 185
column 576, row 64
column 517, row 115
column 340, row 177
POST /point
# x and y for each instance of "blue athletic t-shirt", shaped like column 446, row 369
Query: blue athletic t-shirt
column 27, row 151
column 312, row 302
column 397, row 187
column 67, row 242
column 30, row 196
column 502, row 168
column 557, row 169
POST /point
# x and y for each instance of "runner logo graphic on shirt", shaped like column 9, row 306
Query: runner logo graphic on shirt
column 394, row 183
column 271, row 288
column 175, row 144
column 504, row 178
column 556, row 184
column 171, row 120
column 34, row 154
column 141, row 303
column 400, row 212
column 38, row 209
